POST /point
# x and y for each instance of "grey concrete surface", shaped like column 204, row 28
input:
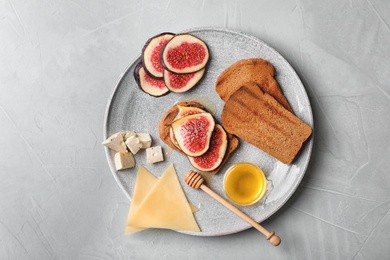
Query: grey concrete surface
column 59, row 62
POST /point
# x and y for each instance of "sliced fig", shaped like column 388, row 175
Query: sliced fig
column 183, row 82
column 185, row 53
column 211, row 159
column 193, row 133
column 186, row 111
column 151, row 53
column 173, row 139
column 182, row 112
column 152, row 86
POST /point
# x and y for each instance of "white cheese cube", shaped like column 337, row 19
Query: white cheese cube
column 115, row 142
column 145, row 139
column 124, row 161
column 128, row 134
column 134, row 144
column 154, row 154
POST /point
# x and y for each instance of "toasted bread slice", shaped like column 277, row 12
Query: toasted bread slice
column 170, row 115
column 258, row 118
column 250, row 70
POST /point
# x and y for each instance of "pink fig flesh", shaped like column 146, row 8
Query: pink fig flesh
column 182, row 82
column 213, row 158
column 193, row 133
column 152, row 86
column 185, row 53
column 183, row 111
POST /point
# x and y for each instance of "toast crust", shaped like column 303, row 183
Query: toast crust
column 165, row 125
column 255, row 70
column 258, row 118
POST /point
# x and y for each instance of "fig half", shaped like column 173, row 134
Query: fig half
column 151, row 53
column 211, row 159
column 152, row 86
column 193, row 133
column 185, row 53
column 182, row 82
column 182, row 112
column 186, row 111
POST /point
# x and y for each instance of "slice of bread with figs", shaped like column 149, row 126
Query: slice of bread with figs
column 190, row 129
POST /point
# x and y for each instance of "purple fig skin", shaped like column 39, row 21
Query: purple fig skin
column 143, row 54
column 137, row 78
column 186, row 69
column 136, row 72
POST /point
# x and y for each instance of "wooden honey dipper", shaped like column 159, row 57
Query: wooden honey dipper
column 195, row 180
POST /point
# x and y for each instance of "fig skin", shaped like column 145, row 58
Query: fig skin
column 152, row 91
column 176, row 42
column 147, row 53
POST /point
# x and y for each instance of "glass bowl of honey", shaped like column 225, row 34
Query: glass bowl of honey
column 245, row 183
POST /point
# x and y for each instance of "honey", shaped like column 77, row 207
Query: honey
column 245, row 183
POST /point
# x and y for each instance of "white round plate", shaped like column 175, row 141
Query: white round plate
column 131, row 109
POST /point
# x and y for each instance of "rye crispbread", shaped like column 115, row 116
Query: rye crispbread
column 170, row 115
column 256, row 117
column 255, row 70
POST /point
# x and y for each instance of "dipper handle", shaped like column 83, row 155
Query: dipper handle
column 195, row 180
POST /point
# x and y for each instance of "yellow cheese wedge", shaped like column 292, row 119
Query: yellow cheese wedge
column 165, row 206
column 143, row 184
